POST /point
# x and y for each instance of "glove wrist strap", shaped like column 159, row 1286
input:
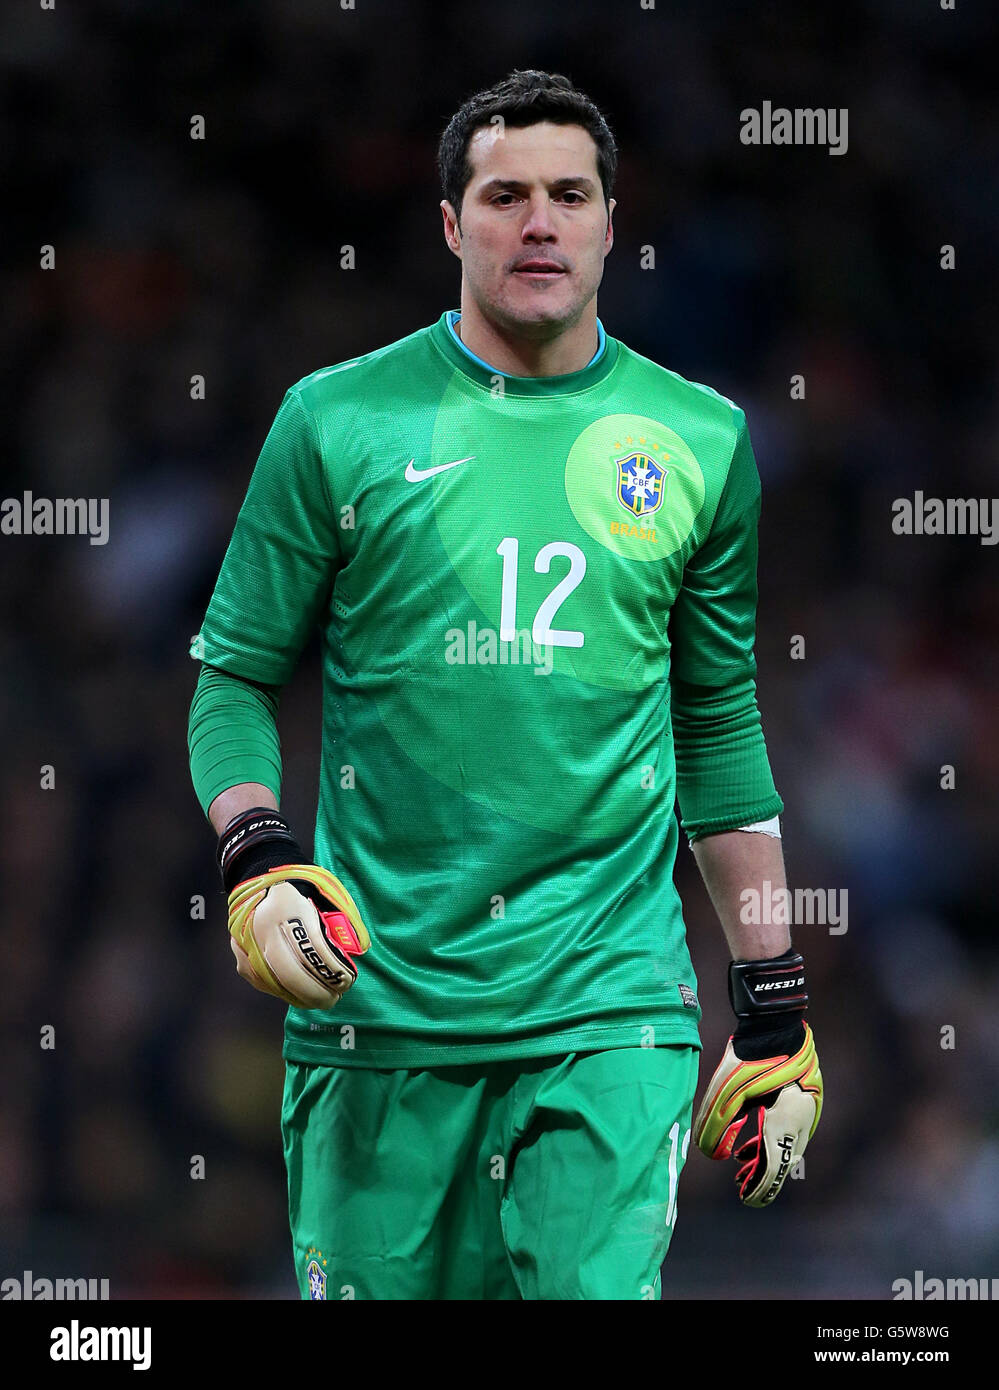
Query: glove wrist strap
column 769, row 999
column 762, row 988
column 253, row 842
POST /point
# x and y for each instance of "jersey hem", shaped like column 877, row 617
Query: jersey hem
column 411, row 1057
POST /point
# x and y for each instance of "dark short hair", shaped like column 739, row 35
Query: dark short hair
column 524, row 98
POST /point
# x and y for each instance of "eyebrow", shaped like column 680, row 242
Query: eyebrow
column 580, row 181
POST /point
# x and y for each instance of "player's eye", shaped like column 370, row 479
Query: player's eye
column 503, row 195
column 574, row 195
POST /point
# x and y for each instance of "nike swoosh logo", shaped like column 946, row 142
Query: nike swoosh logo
column 415, row 475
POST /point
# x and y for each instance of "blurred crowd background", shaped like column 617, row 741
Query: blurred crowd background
column 221, row 257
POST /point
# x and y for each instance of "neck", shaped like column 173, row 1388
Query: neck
column 513, row 355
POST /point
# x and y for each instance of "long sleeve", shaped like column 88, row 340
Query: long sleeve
column 723, row 774
column 232, row 735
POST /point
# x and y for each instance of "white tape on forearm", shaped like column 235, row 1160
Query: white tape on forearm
column 765, row 827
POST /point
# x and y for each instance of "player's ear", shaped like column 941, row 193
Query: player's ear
column 609, row 234
column 452, row 231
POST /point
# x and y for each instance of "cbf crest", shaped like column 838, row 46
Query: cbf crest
column 315, row 1276
column 641, row 483
column 636, row 487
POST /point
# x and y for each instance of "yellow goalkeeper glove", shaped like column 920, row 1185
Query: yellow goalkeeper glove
column 766, row 1094
column 293, row 926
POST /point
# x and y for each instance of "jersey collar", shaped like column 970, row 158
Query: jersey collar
column 602, row 363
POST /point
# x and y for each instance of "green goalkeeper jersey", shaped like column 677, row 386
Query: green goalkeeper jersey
column 506, row 572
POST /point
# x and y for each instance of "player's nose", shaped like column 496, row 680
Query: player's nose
column 539, row 224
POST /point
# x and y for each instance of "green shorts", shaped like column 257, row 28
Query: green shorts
column 552, row 1178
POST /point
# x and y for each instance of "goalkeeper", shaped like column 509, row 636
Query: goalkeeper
column 531, row 556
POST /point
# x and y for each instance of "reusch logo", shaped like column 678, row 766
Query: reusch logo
column 785, row 1143
column 315, row 960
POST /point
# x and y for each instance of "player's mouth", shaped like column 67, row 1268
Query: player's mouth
column 540, row 269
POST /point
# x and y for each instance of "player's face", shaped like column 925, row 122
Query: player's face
column 534, row 226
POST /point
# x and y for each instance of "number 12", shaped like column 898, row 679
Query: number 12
column 542, row 633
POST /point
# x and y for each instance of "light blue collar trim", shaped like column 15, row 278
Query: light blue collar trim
column 453, row 317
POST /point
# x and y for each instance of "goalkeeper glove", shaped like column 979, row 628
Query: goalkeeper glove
column 293, row 926
column 766, row 1095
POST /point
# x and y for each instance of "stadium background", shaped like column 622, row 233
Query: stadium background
column 221, row 257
